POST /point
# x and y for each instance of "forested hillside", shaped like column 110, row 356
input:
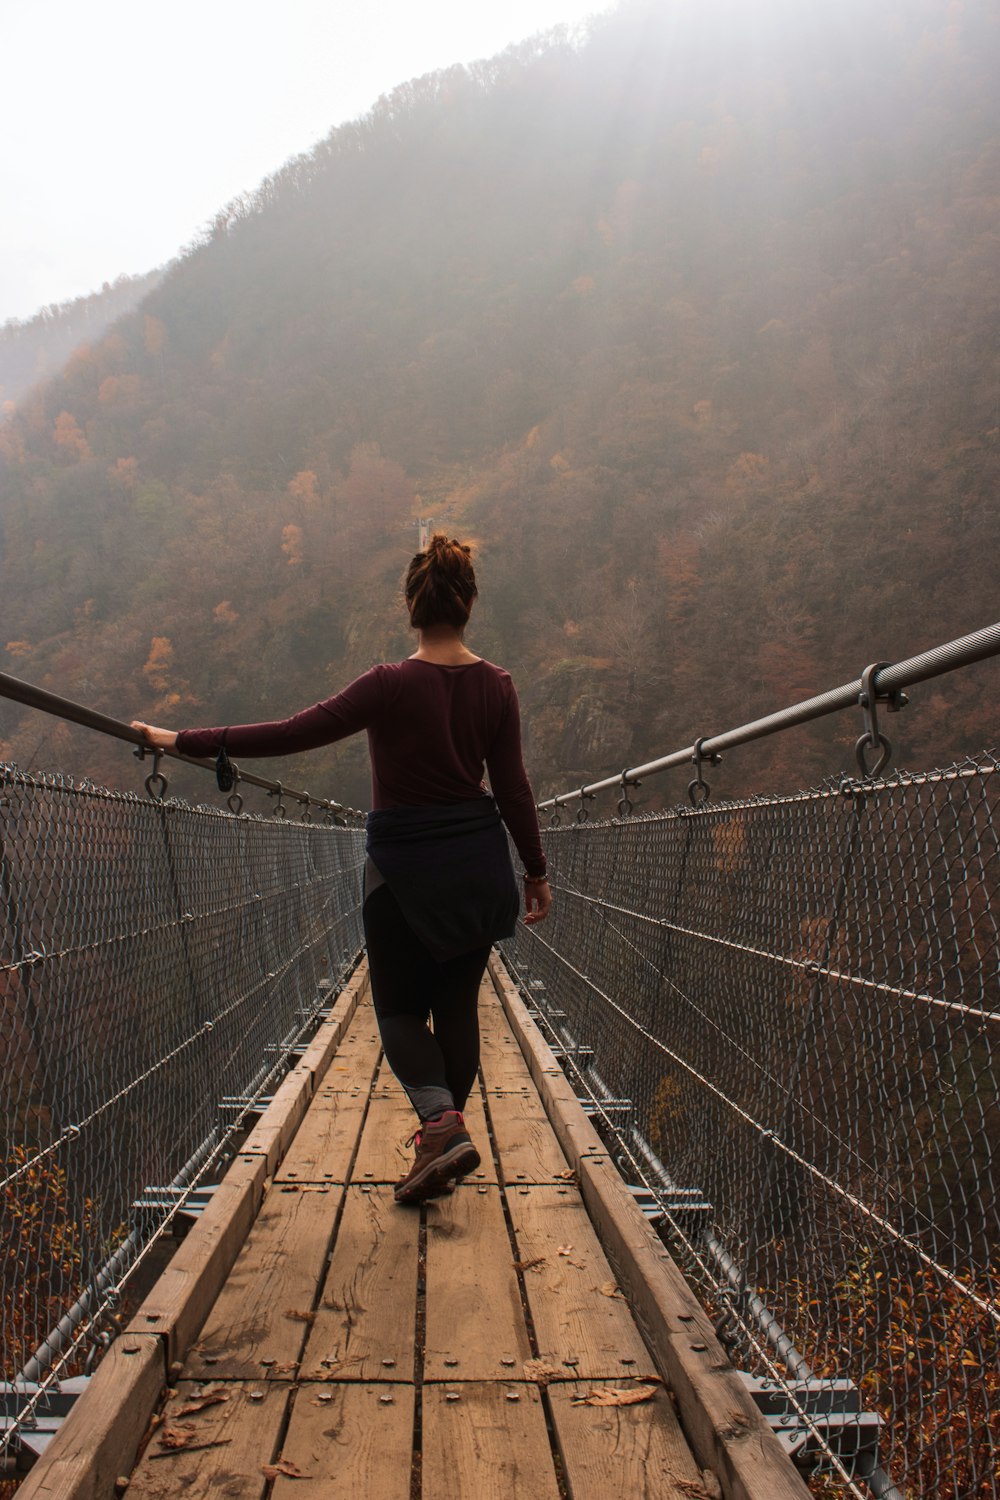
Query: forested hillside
column 34, row 349
column 692, row 323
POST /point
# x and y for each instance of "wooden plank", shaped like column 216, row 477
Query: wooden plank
column 330, row 1033
column 579, row 1329
column 99, row 1440
column 179, row 1303
column 726, row 1431
column 528, row 1150
column 229, row 1443
column 351, row 1442
column 383, row 1155
column 635, row 1451
column 475, row 1326
column 273, row 1133
column 325, row 1142
column 488, row 1441
column 365, row 1324
column 258, row 1326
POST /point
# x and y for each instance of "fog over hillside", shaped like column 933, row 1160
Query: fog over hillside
column 692, row 323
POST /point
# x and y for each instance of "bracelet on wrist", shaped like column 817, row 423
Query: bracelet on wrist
column 535, row 879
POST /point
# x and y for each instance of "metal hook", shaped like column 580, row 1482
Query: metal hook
column 699, row 790
column 156, row 782
column 305, row 816
column 625, row 807
column 873, row 738
column 278, row 791
column 583, row 813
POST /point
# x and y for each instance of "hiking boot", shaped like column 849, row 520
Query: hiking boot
column 444, row 1154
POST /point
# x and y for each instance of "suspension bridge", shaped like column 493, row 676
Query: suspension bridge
column 737, row 1229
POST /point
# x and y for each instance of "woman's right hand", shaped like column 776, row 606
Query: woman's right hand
column 537, row 900
column 160, row 739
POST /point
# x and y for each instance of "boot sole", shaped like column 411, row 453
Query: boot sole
column 448, row 1167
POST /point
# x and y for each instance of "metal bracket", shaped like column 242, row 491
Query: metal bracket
column 834, row 1409
column 35, row 1433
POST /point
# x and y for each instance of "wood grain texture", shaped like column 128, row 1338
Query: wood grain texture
column 352, row 1442
column 528, row 1150
column 100, row 1437
column 366, row 1320
column 179, row 1303
column 258, row 1326
column 634, row 1451
column 242, row 1431
column 484, row 1446
column 579, row 1329
column 475, row 1320
column 725, row 1429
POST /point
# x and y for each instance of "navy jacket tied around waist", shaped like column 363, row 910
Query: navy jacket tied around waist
column 449, row 868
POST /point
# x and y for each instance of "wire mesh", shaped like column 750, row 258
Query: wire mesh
column 800, row 997
column 157, row 962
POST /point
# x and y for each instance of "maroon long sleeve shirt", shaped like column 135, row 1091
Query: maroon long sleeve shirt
column 431, row 729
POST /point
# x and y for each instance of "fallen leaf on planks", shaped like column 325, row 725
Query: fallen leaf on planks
column 567, row 1176
column 181, row 1436
column 207, row 1398
column 613, row 1396
column 539, row 1370
column 283, row 1466
column 564, row 1250
column 609, row 1289
column 529, row 1265
column 298, row 1315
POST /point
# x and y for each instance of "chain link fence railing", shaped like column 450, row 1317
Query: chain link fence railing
column 785, row 1015
column 157, row 964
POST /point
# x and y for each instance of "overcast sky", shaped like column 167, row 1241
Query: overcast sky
column 125, row 124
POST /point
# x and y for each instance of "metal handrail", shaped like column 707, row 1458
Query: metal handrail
column 76, row 713
column 887, row 681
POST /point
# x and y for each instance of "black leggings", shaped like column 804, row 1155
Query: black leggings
column 437, row 1069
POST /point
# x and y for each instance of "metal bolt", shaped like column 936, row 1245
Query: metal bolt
column 389, row 1364
column 699, row 1348
column 267, row 1363
column 570, row 1363
column 256, row 1395
column 513, row 1396
column 507, row 1362
column 627, row 1361
column 130, row 1349
column 386, row 1400
column 450, row 1363
column 452, row 1396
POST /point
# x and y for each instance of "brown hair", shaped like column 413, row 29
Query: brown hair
column 441, row 584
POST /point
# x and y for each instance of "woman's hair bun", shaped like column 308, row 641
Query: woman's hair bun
column 441, row 583
column 449, row 554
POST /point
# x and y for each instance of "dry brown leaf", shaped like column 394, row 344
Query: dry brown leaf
column 539, row 1370
column 566, row 1176
column 180, row 1436
column 299, row 1315
column 564, row 1250
column 613, row 1396
column 283, row 1466
column 529, row 1265
column 207, row 1398
column 609, row 1289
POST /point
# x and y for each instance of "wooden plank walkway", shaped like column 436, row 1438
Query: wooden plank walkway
column 321, row 1341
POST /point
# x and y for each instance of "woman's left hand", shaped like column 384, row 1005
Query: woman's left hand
column 537, row 900
column 160, row 739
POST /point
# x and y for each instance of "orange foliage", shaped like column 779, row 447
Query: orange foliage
column 67, row 435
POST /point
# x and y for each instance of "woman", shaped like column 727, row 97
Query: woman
column 439, row 886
